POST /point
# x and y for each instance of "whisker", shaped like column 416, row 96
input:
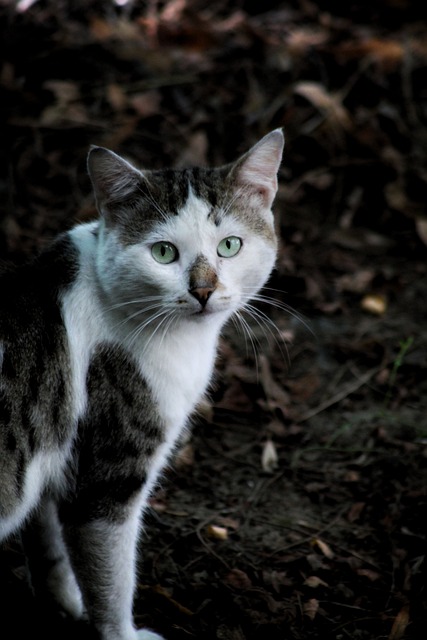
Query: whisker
column 171, row 319
column 236, row 320
column 152, row 306
column 121, row 305
column 269, row 328
column 137, row 313
column 282, row 306
column 168, row 315
column 249, row 333
column 134, row 335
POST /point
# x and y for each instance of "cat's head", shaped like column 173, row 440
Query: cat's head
column 185, row 244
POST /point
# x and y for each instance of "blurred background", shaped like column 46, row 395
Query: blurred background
column 298, row 507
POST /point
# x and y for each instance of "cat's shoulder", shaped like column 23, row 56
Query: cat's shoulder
column 33, row 287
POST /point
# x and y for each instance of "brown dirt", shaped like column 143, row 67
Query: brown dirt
column 298, row 507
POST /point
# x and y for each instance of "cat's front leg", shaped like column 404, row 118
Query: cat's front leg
column 51, row 575
column 103, row 553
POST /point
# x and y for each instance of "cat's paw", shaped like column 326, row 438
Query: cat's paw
column 145, row 634
column 65, row 592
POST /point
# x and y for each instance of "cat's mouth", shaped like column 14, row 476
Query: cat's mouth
column 204, row 311
column 208, row 310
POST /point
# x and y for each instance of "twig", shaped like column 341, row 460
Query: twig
column 340, row 395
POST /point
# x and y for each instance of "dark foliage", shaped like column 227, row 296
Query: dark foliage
column 298, row 507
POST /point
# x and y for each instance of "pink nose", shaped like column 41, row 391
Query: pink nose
column 202, row 294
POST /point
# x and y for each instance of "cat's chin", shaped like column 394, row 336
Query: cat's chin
column 208, row 313
column 204, row 313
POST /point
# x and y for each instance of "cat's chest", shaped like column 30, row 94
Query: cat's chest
column 178, row 369
column 176, row 365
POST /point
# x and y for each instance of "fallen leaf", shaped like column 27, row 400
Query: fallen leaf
column 315, row 581
column 311, row 608
column 330, row 104
column 360, row 239
column 385, row 52
column 400, row 623
column 238, row 579
column 356, row 282
column 230, row 523
column 67, row 105
column 277, row 580
column 276, row 395
column 269, row 457
column 324, row 548
column 375, row 304
column 101, row 29
column 146, row 103
column 116, row 96
column 216, row 532
column 355, row 511
column 303, row 387
column 352, row 476
column 276, row 428
column 173, row 11
column 368, row 573
column 195, row 151
column 302, row 40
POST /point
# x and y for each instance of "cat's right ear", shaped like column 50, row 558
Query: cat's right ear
column 256, row 171
column 114, row 179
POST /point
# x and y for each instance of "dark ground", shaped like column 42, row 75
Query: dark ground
column 298, row 509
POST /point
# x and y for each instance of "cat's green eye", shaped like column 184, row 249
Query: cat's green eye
column 164, row 252
column 229, row 247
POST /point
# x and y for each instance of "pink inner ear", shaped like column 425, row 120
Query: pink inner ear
column 260, row 165
column 257, row 173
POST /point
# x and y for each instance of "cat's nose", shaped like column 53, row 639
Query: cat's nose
column 202, row 294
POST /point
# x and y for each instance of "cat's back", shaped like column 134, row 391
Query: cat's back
column 29, row 293
column 33, row 346
column 35, row 395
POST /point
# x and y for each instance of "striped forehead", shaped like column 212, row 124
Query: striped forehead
column 193, row 220
column 175, row 187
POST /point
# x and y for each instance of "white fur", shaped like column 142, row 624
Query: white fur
column 178, row 371
column 97, row 539
column 45, row 469
column 61, row 581
column 177, row 360
column 145, row 634
column 83, row 316
column 62, row 584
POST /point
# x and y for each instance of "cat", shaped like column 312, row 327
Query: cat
column 107, row 345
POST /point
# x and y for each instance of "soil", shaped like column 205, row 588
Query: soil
column 297, row 508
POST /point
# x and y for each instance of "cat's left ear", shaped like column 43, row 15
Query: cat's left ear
column 114, row 179
column 256, row 171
